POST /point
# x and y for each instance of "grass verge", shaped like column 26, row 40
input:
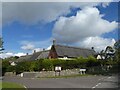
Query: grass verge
column 11, row 86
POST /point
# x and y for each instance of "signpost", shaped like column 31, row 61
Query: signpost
column 82, row 71
column 57, row 70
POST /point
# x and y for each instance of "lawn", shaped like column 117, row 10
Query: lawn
column 11, row 86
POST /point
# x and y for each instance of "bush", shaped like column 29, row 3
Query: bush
column 91, row 61
column 47, row 65
column 38, row 65
column 5, row 65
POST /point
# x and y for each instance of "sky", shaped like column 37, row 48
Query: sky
column 28, row 26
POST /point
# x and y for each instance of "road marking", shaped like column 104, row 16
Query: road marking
column 25, row 87
column 96, row 85
column 109, row 77
column 93, row 87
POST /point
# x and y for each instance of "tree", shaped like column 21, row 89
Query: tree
column 109, row 53
column 1, row 44
column 117, row 50
column 102, row 54
column 5, row 65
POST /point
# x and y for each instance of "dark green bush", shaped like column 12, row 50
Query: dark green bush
column 47, row 65
column 5, row 65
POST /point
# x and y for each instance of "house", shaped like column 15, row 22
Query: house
column 59, row 52
column 24, row 58
column 44, row 54
column 35, row 56
column 65, row 52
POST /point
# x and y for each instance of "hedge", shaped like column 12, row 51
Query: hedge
column 49, row 64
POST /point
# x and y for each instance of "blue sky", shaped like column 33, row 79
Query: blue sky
column 32, row 26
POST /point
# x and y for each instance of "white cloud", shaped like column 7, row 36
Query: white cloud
column 34, row 12
column 48, row 48
column 28, row 47
column 98, row 43
column 10, row 54
column 5, row 55
column 59, row 0
column 20, row 54
column 37, row 50
column 88, row 22
column 35, row 45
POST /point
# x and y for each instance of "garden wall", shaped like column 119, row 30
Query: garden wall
column 50, row 73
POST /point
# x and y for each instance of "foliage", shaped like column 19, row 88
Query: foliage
column 47, row 65
column 12, row 58
column 117, row 51
column 5, row 65
column 1, row 44
column 38, row 65
column 92, row 62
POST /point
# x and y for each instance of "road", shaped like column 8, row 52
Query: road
column 77, row 82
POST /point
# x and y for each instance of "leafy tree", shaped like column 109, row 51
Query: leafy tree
column 22, row 66
column 117, row 50
column 108, row 53
column 5, row 65
column 92, row 62
column 1, row 44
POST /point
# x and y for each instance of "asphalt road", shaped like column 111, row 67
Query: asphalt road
column 78, row 82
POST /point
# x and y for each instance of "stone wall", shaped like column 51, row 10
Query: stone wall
column 51, row 73
column 10, row 74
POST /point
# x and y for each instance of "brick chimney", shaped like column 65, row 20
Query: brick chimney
column 54, row 41
column 34, row 51
column 43, row 49
column 92, row 48
column 26, row 53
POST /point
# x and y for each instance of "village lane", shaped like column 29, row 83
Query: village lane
column 77, row 82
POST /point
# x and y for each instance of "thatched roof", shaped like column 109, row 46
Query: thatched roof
column 24, row 58
column 73, row 51
column 34, row 56
column 43, row 54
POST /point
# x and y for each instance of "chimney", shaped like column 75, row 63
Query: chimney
column 26, row 53
column 92, row 48
column 54, row 41
column 34, row 51
column 43, row 49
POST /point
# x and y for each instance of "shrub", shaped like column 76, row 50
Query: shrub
column 5, row 65
column 38, row 65
column 47, row 65
column 91, row 61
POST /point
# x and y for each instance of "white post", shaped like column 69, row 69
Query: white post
column 21, row 74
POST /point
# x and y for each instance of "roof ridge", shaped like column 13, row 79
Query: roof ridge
column 74, row 47
column 41, row 51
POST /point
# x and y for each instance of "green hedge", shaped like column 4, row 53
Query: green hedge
column 49, row 64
